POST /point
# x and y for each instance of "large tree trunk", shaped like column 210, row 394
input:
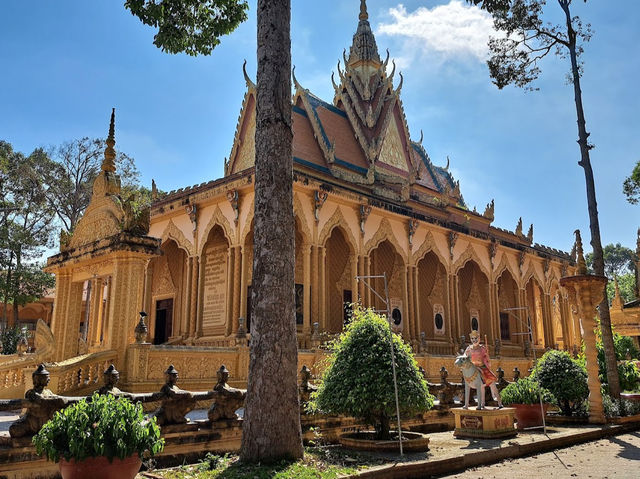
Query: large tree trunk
column 272, row 417
column 596, row 243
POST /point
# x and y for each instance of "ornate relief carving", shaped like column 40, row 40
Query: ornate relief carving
column 452, row 239
column 385, row 232
column 337, row 220
column 248, row 222
column 174, row 233
column 192, row 211
column 301, row 220
column 162, row 282
column 413, row 226
column 489, row 211
column 217, row 219
column 427, row 245
column 469, row 254
column 365, row 211
column 319, row 197
column 232, row 198
column 246, row 144
column 392, row 152
column 493, row 249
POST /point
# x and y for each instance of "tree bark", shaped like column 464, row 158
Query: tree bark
column 271, row 427
column 596, row 243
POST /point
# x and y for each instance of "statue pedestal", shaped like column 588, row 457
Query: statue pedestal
column 486, row 423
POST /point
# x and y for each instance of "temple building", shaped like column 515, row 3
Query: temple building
column 368, row 202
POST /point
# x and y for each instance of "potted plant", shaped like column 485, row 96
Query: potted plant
column 525, row 397
column 358, row 382
column 102, row 437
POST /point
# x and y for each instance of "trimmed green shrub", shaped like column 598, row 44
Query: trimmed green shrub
column 11, row 336
column 629, row 376
column 358, row 381
column 619, row 407
column 525, row 391
column 565, row 378
column 105, row 425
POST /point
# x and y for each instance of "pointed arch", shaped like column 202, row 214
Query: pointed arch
column 507, row 265
column 429, row 244
column 470, row 254
column 171, row 231
column 385, row 232
column 298, row 212
column 248, row 223
column 337, row 221
column 219, row 219
column 532, row 272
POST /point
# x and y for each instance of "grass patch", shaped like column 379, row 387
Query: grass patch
column 327, row 462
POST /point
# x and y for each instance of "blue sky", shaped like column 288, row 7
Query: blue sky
column 67, row 62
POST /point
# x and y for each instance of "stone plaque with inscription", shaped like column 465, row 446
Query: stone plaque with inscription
column 214, row 307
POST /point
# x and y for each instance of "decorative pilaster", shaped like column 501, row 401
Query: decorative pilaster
column 306, row 307
column 586, row 292
column 236, row 289
column 93, row 336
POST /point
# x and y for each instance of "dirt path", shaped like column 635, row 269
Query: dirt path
column 615, row 457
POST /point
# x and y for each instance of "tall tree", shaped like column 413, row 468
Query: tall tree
column 514, row 59
column 25, row 226
column 77, row 165
column 618, row 260
column 631, row 185
column 271, row 427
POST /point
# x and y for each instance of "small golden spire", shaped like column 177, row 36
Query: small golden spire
column 109, row 163
column 363, row 10
column 582, row 265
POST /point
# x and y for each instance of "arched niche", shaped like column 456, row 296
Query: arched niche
column 385, row 259
column 434, row 315
column 560, row 336
column 534, row 297
column 168, row 292
column 473, row 294
column 215, row 275
column 338, row 279
column 507, row 302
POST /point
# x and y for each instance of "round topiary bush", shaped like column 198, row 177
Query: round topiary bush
column 358, row 381
column 565, row 378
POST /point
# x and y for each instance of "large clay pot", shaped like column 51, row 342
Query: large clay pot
column 101, row 468
column 529, row 415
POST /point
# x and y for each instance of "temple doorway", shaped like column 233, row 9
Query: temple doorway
column 164, row 319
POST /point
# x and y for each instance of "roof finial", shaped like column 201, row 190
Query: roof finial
column 582, row 265
column 109, row 163
column 363, row 10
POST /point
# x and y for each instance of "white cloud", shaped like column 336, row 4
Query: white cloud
column 454, row 31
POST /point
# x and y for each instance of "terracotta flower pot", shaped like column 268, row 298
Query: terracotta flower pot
column 528, row 415
column 101, row 468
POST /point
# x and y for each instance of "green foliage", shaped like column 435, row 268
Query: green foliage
column 618, row 260
column 525, row 391
column 631, row 185
column 565, row 378
column 102, row 426
column 26, row 224
column 76, row 165
column 190, row 26
column 627, row 285
column 628, row 373
column 318, row 463
column 10, row 337
column 629, row 376
column 359, row 380
column 619, row 407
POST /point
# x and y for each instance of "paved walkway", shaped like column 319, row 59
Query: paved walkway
column 615, row 457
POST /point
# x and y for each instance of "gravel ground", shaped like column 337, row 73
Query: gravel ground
column 614, row 457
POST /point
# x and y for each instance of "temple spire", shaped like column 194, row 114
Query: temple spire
column 109, row 164
column 364, row 15
column 364, row 48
